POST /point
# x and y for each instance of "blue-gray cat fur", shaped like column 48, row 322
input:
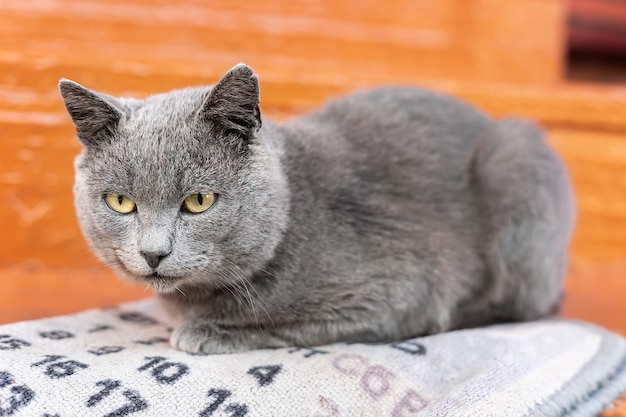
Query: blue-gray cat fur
column 386, row 214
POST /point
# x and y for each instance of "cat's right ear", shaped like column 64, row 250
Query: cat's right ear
column 95, row 115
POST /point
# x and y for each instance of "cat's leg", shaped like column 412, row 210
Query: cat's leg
column 376, row 323
column 396, row 299
column 528, row 199
column 204, row 336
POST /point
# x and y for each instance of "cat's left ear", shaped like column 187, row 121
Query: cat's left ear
column 233, row 103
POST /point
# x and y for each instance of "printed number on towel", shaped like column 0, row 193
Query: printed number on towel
column 218, row 397
column 164, row 372
column 13, row 397
column 265, row 374
column 134, row 400
column 57, row 368
column 9, row 343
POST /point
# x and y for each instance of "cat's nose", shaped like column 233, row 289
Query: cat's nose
column 154, row 258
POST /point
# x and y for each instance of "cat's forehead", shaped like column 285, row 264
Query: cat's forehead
column 166, row 124
column 173, row 109
column 158, row 169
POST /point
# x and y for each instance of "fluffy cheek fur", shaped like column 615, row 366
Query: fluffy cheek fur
column 111, row 239
column 258, row 223
column 97, row 238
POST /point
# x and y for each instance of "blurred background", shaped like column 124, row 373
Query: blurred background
column 560, row 62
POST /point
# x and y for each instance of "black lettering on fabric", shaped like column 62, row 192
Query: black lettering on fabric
column 136, row 404
column 108, row 386
column 56, row 334
column 135, row 400
column 265, row 374
column 63, row 369
column 105, row 350
column 152, row 341
column 50, row 415
column 169, row 372
column 412, row 347
column 165, row 372
column 308, row 352
column 152, row 360
column 218, row 396
column 49, row 358
column 18, row 397
column 136, row 317
column 57, row 369
column 236, row 410
column 6, row 379
column 100, row 328
column 9, row 343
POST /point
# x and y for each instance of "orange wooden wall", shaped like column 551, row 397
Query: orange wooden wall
column 505, row 56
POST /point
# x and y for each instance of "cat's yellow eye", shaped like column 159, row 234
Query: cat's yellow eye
column 197, row 203
column 120, row 203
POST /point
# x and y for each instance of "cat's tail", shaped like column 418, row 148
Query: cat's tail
column 526, row 195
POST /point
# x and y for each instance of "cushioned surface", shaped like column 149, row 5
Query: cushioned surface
column 117, row 362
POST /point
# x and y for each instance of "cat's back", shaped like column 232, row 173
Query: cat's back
column 395, row 115
column 396, row 140
column 390, row 125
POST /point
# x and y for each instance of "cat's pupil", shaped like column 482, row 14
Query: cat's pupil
column 199, row 199
column 120, row 198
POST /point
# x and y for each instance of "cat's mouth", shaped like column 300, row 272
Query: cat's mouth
column 161, row 283
column 155, row 276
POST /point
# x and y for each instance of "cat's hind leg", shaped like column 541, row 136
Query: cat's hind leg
column 528, row 209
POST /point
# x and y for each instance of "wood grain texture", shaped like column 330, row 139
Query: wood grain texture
column 323, row 39
column 504, row 56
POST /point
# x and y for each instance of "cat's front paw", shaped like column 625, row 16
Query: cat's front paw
column 204, row 337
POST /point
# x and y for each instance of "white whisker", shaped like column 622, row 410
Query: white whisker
column 248, row 285
column 233, row 273
column 226, row 284
column 181, row 291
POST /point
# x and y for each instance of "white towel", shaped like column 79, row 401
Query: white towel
column 117, row 362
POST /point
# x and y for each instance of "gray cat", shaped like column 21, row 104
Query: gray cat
column 386, row 214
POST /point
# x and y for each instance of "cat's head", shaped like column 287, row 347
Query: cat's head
column 183, row 187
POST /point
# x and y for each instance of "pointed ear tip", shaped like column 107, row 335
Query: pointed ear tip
column 243, row 69
column 66, row 85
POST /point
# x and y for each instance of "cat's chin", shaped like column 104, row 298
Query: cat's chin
column 161, row 283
